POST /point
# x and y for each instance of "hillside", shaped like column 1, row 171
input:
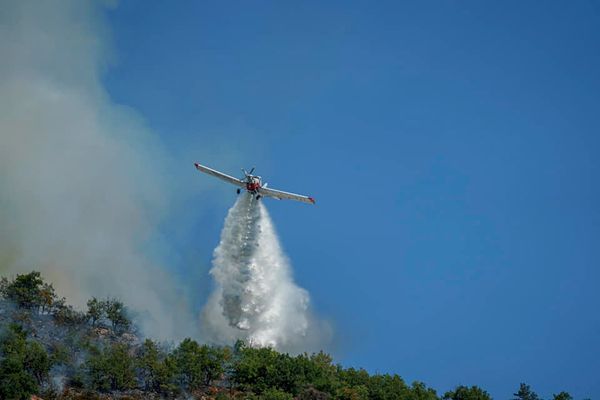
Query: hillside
column 51, row 350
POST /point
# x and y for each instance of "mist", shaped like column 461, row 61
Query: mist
column 83, row 184
column 255, row 298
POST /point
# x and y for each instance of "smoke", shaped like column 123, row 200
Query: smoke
column 85, row 188
column 82, row 182
column 255, row 298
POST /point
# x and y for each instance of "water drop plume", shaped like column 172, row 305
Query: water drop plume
column 255, row 298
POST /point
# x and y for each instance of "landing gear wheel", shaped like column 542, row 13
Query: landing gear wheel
column 238, row 191
column 258, row 197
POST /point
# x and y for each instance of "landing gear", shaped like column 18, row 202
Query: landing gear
column 238, row 191
column 258, row 197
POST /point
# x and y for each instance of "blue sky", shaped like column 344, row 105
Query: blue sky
column 452, row 148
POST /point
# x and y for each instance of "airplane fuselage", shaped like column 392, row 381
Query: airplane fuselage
column 253, row 186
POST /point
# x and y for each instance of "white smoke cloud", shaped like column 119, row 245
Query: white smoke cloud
column 256, row 298
column 84, row 187
column 82, row 182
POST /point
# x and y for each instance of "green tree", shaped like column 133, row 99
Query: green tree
column 65, row 314
column 275, row 394
column 264, row 368
column 387, row 387
column 26, row 290
column 156, row 370
column 562, row 396
column 216, row 359
column 188, row 361
column 110, row 369
column 37, row 362
column 47, row 297
column 96, row 371
column 148, row 362
column 121, row 367
column 354, row 377
column 24, row 365
column 96, row 310
column 419, row 391
column 525, row 393
column 467, row 393
column 319, row 372
column 15, row 382
column 359, row 392
column 196, row 365
column 117, row 315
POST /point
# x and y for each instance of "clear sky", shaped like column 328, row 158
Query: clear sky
column 452, row 147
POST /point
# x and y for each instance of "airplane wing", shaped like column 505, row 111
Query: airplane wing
column 219, row 175
column 278, row 194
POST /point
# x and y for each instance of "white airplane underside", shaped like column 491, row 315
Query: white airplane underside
column 253, row 184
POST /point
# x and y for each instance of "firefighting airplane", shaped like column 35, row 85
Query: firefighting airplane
column 253, row 184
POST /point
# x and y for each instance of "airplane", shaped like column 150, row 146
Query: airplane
column 253, row 184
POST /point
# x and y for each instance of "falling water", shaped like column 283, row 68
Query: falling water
column 255, row 297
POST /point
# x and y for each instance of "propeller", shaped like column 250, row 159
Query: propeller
column 248, row 174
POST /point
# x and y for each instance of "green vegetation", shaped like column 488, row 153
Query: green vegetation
column 49, row 348
column 467, row 393
column 525, row 393
column 24, row 366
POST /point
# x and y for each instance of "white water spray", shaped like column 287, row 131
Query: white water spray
column 256, row 298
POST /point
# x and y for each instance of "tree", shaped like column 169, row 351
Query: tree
column 156, row 371
column 310, row 393
column 37, row 362
column 388, row 387
column 198, row 366
column 319, row 372
column 4, row 283
column 110, row 369
column 467, row 393
column 419, row 391
column 15, row 382
column 359, row 392
column 562, row 396
column 96, row 371
column 26, row 290
column 121, row 368
column 215, row 363
column 264, row 368
column 148, row 363
column 96, row 310
column 274, row 394
column 188, row 361
column 117, row 315
column 525, row 393
column 354, row 377
column 65, row 314
column 24, row 365
column 47, row 297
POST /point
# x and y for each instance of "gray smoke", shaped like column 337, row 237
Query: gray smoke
column 256, row 298
column 82, row 182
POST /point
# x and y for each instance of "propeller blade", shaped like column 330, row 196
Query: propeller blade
column 252, row 170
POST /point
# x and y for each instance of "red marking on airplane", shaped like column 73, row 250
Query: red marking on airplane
column 252, row 186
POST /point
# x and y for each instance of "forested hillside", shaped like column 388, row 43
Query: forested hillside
column 49, row 349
